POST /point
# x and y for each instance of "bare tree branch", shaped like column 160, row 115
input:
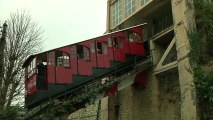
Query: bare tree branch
column 24, row 37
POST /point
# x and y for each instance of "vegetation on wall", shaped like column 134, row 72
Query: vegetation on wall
column 201, row 55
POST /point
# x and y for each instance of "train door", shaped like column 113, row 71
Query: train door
column 51, row 67
column 102, row 54
column 118, row 45
column 63, row 70
column 84, row 64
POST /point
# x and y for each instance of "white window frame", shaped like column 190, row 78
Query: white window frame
column 116, row 13
column 144, row 2
column 129, row 7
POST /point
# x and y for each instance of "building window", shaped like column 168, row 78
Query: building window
column 143, row 2
column 51, row 58
column 116, row 13
column 129, row 7
column 73, row 51
column 99, row 47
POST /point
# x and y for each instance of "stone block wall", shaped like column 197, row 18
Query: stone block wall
column 170, row 97
column 88, row 113
column 135, row 104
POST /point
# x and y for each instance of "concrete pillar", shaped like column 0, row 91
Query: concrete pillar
column 155, row 109
column 104, row 108
column 181, row 14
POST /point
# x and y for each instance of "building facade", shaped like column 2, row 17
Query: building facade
column 170, row 92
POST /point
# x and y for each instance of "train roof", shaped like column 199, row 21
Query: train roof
column 33, row 55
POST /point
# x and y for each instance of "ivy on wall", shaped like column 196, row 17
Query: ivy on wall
column 201, row 55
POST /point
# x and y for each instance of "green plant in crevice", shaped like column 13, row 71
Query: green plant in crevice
column 201, row 55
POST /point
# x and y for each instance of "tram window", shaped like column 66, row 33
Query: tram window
column 137, row 38
column 31, row 67
column 99, row 47
column 134, row 37
column 110, row 42
column 51, row 58
column 115, row 42
column 62, row 59
column 131, row 39
column 66, row 60
column 86, row 53
column 73, row 51
column 80, row 52
column 59, row 58
column 92, row 46
column 105, row 50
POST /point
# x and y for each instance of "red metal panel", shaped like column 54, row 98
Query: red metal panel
column 30, row 85
column 63, row 75
column 136, row 48
column 85, row 67
column 137, row 30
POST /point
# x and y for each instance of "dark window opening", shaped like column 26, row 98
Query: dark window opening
column 80, row 52
column 41, row 69
column 162, row 23
column 146, row 48
column 99, row 47
column 41, row 80
column 115, row 42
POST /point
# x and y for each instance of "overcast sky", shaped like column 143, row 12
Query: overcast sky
column 64, row 21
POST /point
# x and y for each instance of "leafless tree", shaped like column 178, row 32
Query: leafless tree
column 24, row 37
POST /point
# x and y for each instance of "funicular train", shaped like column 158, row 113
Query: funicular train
column 52, row 72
